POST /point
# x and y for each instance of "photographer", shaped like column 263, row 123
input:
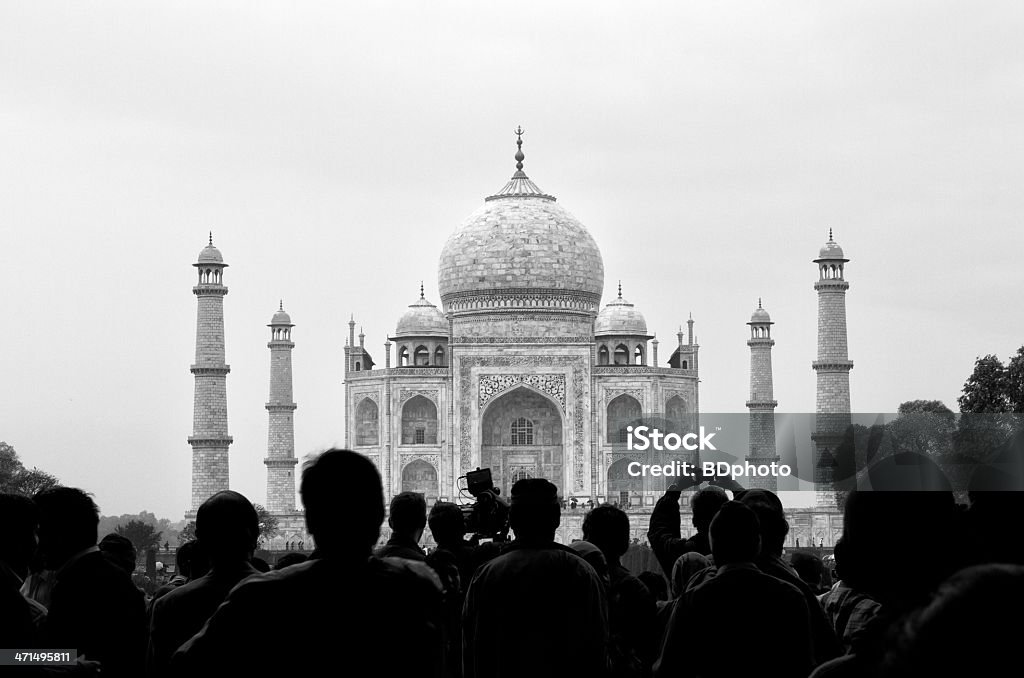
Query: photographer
column 664, row 532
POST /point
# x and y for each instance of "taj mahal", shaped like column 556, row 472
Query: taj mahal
column 519, row 368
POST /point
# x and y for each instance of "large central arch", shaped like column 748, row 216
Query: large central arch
column 522, row 435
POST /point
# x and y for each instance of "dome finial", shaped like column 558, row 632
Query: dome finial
column 759, row 302
column 830, row 234
column 211, row 238
column 421, row 289
column 519, row 145
column 280, row 306
column 620, row 289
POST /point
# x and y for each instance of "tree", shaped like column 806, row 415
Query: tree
column 16, row 479
column 985, row 391
column 188, row 533
column 141, row 534
column 268, row 524
column 924, row 427
column 991, row 393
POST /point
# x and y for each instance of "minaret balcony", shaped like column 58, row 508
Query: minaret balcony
column 281, row 407
column 209, row 290
column 762, row 404
column 210, row 441
column 833, row 365
column 207, row 370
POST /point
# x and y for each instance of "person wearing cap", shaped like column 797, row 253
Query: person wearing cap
column 513, row 619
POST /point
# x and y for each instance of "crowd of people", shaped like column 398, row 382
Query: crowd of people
column 728, row 602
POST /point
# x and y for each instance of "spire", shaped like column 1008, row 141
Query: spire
column 620, row 289
column 211, row 238
column 421, row 289
column 830, row 234
column 520, row 186
column 280, row 307
column 519, row 145
column 759, row 302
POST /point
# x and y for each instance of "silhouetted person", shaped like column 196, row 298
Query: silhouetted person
column 851, row 612
column 774, row 528
column 960, row 632
column 741, row 622
column 631, row 605
column 120, row 550
column 189, row 563
column 94, row 607
column 595, row 558
column 809, row 568
column 408, row 517
column 289, row 559
column 351, row 610
column 448, row 527
column 513, row 624
column 259, row 564
column 20, row 617
column 687, row 565
column 897, row 526
column 664, row 532
column 227, row 526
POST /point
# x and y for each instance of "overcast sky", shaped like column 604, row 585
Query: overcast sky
column 708, row 147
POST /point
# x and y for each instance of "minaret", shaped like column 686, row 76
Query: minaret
column 209, row 439
column 832, row 368
column 762, row 399
column 280, row 459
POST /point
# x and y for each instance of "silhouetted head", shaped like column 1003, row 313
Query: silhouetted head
column 607, row 528
column 685, row 567
column 344, row 501
column 68, row 519
column 655, row 583
column 260, row 564
column 185, row 559
column 120, row 550
column 958, row 633
column 408, row 515
column 534, row 513
column 735, row 534
column 289, row 559
column 897, row 527
column 809, row 567
column 705, row 505
column 767, row 506
column 227, row 526
column 594, row 557
column 21, row 519
column 447, row 524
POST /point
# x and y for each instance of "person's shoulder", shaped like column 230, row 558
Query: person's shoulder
column 415, row 573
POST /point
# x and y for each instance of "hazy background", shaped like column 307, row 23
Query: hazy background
column 708, row 147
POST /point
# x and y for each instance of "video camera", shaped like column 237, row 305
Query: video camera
column 487, row 517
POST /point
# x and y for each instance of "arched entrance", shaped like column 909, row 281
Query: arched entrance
column 521, row 436
column 420, row 476
column 622, row 487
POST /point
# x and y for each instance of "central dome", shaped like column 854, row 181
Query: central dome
column 521, row 249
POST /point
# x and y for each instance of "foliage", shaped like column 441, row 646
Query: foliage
column 268, row 524
column 924, row 427
column 992, row 394
column 188, row 533
column 141, row 534
column 16, row 479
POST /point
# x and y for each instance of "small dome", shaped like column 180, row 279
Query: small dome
column 423, row 319
column 210, row 254
column 281, row 318
column 620, row 317
column 831, row 250
column 760, row 316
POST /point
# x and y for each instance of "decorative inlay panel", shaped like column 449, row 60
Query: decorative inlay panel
column 492, row 385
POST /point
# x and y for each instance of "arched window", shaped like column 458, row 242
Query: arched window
column 403, row 357
column 519, row 474
column 638, row 356
column 602, row 355
column 358, row 366
column 439, row 356
column 621, row 355
column 421, row 357
column 522, row 431
column 686, row 365
column 622, row 411
column 419, row 421
column 366, row 422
